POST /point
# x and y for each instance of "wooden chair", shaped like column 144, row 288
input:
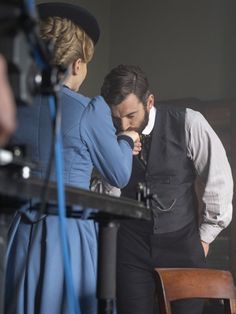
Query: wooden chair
column 187, row 283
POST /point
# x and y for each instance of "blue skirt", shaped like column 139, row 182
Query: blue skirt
column 35, row 280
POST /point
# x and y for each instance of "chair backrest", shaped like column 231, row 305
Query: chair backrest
column 187, row 283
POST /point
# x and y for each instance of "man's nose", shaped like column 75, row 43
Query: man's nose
column 125, row 124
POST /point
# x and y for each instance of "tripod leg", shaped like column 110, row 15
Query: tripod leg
column 106, row 280
column 4, row 224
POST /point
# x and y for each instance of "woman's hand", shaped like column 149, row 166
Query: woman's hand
column 136, row 139
column 137, row 147
column 133, row 134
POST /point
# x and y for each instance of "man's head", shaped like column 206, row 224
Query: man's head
column 126, row 90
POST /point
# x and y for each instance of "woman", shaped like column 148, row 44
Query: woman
column 35, row 279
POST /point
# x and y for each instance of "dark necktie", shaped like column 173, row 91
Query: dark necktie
column 146, row 142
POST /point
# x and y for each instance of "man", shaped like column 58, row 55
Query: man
column 182, row 146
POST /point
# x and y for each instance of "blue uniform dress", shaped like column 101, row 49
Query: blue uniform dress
column 35, row 278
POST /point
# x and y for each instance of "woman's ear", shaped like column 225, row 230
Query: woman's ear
column 76, row 66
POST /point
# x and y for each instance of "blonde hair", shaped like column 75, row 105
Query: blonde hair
column 69, row 40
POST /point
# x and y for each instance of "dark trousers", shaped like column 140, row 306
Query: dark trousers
column 139, row 252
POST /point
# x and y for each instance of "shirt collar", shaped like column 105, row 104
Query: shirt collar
column 149, row 127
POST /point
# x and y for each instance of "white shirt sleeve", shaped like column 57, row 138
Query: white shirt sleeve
column 212, row 166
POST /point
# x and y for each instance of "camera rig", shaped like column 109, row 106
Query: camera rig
column 29, row 59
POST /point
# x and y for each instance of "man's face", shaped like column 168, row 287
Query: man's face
column 131, row 114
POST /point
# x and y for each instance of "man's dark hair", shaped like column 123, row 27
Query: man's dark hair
column 122, row 81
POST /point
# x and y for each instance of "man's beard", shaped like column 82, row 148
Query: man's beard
column 144, row 122
column 142, row 126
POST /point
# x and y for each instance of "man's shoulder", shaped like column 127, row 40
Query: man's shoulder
column 171, row 111
column 170, row 108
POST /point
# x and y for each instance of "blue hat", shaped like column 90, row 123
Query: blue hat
column 73, row 12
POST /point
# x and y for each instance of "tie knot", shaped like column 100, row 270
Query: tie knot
column 145, row 141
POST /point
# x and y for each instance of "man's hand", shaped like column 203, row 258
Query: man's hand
column 205, row 248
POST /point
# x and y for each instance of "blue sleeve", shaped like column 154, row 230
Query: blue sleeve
column 111, row 156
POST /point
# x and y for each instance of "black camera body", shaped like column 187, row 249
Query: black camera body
column 15, row 27
column 29, row 59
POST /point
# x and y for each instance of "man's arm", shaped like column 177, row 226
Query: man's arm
column 212, row 166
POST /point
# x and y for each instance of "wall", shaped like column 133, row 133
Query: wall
column 187, row 48
column 99, row 66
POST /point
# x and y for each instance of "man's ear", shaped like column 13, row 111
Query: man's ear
column 76, row 66
column 150, row 101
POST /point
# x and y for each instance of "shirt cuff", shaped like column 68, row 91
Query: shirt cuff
column 127, row 139
column 208, row 232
